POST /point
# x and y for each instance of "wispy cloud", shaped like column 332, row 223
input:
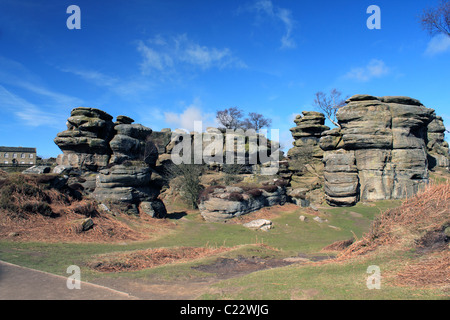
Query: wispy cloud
column 130, row 88
column 374, row 69
column 94, row 77
column 265, row 8
column 438, row 44
column 41, row 107
column 166, row 55
column 27, row 112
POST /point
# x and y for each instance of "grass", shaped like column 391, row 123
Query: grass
column 290, row 236
column 330, row 281
column 338, row 280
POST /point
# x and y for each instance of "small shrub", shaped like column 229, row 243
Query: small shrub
column 85, row 208
column 281, row 183
column 235, row 196
column 204, row 195
column 37, row 207
column 189, row 181
column 269, row 188
column 45, row 178
column 254, row 193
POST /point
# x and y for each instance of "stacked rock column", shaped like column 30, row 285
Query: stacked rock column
column 304, row 159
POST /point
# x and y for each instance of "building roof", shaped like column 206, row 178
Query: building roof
column 17, row 149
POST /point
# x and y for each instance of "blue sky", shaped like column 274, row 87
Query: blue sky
column 167, row 63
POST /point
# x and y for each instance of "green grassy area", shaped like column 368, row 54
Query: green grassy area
column 331, row 281
column 289, row 237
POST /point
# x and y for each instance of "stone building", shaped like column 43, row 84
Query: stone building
column 10, row 156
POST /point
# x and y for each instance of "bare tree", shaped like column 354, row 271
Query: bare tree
column 230, row 118
column 256, row 121
column 437, row 20
column 329, row 105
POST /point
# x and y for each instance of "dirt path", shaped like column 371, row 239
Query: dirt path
column 190, row 289
column 20, row 283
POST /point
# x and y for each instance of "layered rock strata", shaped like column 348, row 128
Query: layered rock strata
column 438, row 149
column 113, row 160
column 304, row 159
column 380, row 151
column 223, row 203
column 85, row 143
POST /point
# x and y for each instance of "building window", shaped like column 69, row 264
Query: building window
column 15, row 155
column 31, row 156
column 22, row 162
column 31, row 162
column 6, row 162
column 6, row 155
column 22, row 155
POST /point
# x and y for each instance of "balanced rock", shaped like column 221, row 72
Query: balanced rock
column 304, row 159
column 85, row 143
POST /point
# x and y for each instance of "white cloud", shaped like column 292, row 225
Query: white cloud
column 374, row 69
column 266, row 8
column 438, row 44
column 93, row 76
column 186, row 119
column 13, row 73
column 41, row 107
column 27, row 112
column 153, row 59
column 164, row 55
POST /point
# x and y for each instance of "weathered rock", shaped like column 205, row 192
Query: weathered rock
column 62, row 169
column 129, row 142
column 154, row 209
column 438, row 148
column 37, row 170
column 341, row 184
column 123, row 120
column 113, row 160
column 304, row 159
column 85, row 143
column 87, row 224
column 221, row 204
column 380, row 151
column 259, row 224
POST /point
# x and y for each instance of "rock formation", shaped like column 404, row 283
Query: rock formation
column 305, row 158
column 113, row 160
column 381, row 150
column 85, row 143
column 438, row 149
column 219, row 203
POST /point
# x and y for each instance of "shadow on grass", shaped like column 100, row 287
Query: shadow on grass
column 176, row 215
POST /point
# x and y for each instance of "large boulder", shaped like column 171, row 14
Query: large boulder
column 380, row 150
column 223, row 203
column 438, row 148
column 111, row 160
column 129, row 142
column 85, row 143
column 304, row 159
